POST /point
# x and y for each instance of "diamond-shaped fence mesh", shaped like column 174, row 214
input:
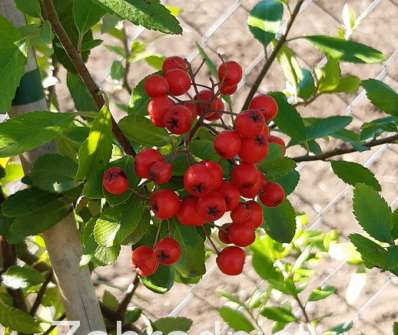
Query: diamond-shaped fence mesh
column 366, row 298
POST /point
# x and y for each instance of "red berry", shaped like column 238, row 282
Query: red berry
column 188, row 214
column 249, row 211
column 144, row 160
column 244, row 175
column 157, row 109
column 230, row 73
column 257, row 215
column 251, row 191
column 242, row 234
column 168, row 251
column 267, row 105
column 115, row 181
column 178, row 120
column 231, row 195
column 228, row 89
column 156, row 86
column 216, row 109
column 254, row 150
column 241, row 213
column 145, row 261
column 223, row 233
column 206, row 103
column 212, row 206
column 165, row 204
column 160, row 172
column 175, row 62
column 179, row 81
column 249, row 124
column 231, row 260
column 198, row 180
column 192, row 108
column 277, row 140
column 217, row 173
column 272, row 194
column 227, row 144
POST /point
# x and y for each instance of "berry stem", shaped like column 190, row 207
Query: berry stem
column 199, row 67
column 157, row 234
column 211, row 241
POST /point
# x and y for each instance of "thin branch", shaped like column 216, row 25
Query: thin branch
column 127, row 52
column 52, row 327
column 82, row 70
column 302, row 308
column 40, row 294
column 342, row 151
column 127, row 298
column 272, row 56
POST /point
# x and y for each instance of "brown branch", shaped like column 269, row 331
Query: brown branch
column 52, row 327
column 40, row 294
column 126, row 48
column 342, row 151
column 273, row 56
column 302, row 308
column 82, row 70
column 127, row 298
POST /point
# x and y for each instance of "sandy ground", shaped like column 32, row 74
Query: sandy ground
column 220, row 25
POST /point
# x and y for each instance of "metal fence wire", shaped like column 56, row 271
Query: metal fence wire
column 363, row 298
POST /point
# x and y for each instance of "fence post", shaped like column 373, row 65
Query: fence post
column 63, row 240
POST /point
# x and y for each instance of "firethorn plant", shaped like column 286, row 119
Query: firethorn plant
column 186, row 174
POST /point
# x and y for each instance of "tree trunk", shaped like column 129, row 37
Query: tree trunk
column 62, row 240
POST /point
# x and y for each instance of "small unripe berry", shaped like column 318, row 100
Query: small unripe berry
column 156, row 86
column 230, row 73
column 168, row 251
column 145, row 261
column 165, row 204
column 272, row 194
column 144, row 160
column 115, row 181
column 267, row 105
column 179, row 81
column 231, row 260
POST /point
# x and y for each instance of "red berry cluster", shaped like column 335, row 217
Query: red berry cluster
column 208, row 193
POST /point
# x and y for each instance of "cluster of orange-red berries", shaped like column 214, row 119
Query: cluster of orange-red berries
column 210, row 194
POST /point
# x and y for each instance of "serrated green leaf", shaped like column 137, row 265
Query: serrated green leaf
column 346, row 50
column 150, row 14
column 169, row 324
column 372, row 253
column 354, row 173
column 372, row 213
column 31, row 130
column 278, row 168
column 30, row 7
column 327, row 126
column 377, row 127
column 21, row 277
column 279, row 314
column 382, row 96
column 235, row 319
column 265, row 19
column 86, row 14
column 322, row 293
column 348, row 84
column 329, row 76
column 289, row 182
column 290, row 66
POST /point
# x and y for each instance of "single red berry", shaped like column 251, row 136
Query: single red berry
column 223, row 233
column 160, row 172
column 244, row 175
column 215, row 110
column 178, row 119
column 272, row 194
column 145, row 261
column 144, row 160
column 278, row 141
column 156, row 86
column 228, row 144
column 231, row 195
column 267, row 105
column 192, row 108
column 228, row 89
column 257, row 215
column 115, row 181
column 174, row 62
column 254, row 150
column 157, row 109
column 212, row 206
column 217, row 173
column 165, row 204
column 188, row 214
column 179, row 81
column 251, row 191
column 249, row 124
column 242, row 234
column 231, row 260
column 230, row 73
column 206, row 103
column 168, row 251
column 198, row 180
column 241, row 213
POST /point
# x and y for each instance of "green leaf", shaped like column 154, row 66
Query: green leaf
column 322, row 293
column 279, row 314
column 13, row 172
column 235, row 319
column 327, row 126
column 346, row 50
column 147, row 13
column 372, row 253
column 280, row 222
column 12, row 63
column 395, row 328
column 117, row 70
column 288, row 119
column 169, row 324
column 377, row 127
column 162, row 281
column 21, row 277
column 277, row 169
column 192, row 261
column 82, row 98
column 290, row 66
column 372, row 213
column 306, row 88
column 15, row 319
column 31, row 130
column 342, row 328
column 329, row 76
column 110, row 300
column 139, row 100
column 86, row 14
column 382, row 96
column 348, row 84
column 141, row 130
column 30, row 7
column 354, row 173
column 203, row 149
column 289, row 182
column 265, row 20
column 54, row 173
